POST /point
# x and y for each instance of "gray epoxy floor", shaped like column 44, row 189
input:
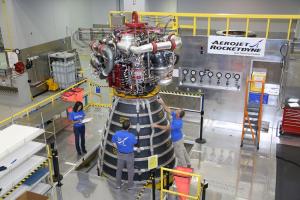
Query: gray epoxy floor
column 232, row 172
column 68, row 157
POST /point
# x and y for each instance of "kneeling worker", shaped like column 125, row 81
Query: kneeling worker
column 124, row 141
column 181, row 154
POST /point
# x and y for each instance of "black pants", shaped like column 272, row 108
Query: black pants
column 79, row 137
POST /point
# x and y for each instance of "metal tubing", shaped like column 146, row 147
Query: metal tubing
column 58, row 177
column 153, row 184
column 152, row 129
column 227, row 25
column 195, row 26
column 204, row 186
column 161, row 183
column 200, row 140
column 247, row 27
column 214, row 15
column 268, row 28
column 106, row 131
column 109, row 65
column 289, row 29
column 50, row 163
column 208, row 26
column 168, row 178
column 160, row 46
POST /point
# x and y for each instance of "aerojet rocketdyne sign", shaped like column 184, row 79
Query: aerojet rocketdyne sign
column 238, row 46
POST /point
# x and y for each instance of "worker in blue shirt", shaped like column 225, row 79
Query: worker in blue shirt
column 175, row 126
column 77, row 115
column 124, row 141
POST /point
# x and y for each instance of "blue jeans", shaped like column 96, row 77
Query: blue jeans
column 79, row 132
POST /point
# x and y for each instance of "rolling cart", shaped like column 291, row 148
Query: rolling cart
column 291, row 118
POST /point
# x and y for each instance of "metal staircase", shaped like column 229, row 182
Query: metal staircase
column 252, row 116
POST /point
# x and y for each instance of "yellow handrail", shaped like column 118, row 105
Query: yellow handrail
column 209, row 16
column 162, row 190
column 49, row 99
column 213, row 15
column 268, row 27
column 247, row 27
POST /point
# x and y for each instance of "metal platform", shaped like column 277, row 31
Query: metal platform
column 48, row 112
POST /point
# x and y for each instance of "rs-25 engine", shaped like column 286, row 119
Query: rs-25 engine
column 136, row 58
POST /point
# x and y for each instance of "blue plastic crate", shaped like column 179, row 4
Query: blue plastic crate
column 255, row 98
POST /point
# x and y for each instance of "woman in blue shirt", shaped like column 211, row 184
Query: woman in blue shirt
column 79, row 128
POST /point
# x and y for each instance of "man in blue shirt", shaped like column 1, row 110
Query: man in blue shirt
column 175, row 126
column 124, row 141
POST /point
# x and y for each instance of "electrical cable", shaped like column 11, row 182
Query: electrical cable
column 283, row 71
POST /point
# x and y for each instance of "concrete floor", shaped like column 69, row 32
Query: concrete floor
column 232, row 172
column 65, row 140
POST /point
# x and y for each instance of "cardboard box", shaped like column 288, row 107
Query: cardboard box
column 32, row 196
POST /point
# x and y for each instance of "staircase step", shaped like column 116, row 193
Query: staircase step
column 248, row 132
column 254, row 127
column 253, row 105
column 253, row 115
column 248, row 139
column 252, row 120
column 253, row 111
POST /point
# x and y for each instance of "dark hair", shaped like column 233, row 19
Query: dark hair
column 181, row 114
column 77, row 105
column 126, row 124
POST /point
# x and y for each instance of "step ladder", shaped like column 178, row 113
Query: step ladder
column 252, row 115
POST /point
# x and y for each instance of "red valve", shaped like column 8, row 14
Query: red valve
column 19, row 67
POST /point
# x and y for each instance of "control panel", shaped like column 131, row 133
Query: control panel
column 206, row 78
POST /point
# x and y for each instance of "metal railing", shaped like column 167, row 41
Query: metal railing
column 26, row 111
column 180, row 173
column 209, row 16
column 94, row 99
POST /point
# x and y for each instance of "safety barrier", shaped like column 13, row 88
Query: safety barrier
column 209, row 16
column 44, row 102
column 93, row 92
column 95, row 95
column 164, row 191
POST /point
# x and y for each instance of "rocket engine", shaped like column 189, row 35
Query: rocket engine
column 135, row 59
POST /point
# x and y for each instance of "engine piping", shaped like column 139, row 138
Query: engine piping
column 172, row 42
column 108, row 55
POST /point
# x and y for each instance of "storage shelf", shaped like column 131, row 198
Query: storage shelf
column 38, row 187
column 15, row 176
column 15, row 136
column 17, row 157
column 41, row 188
column 18, row 192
